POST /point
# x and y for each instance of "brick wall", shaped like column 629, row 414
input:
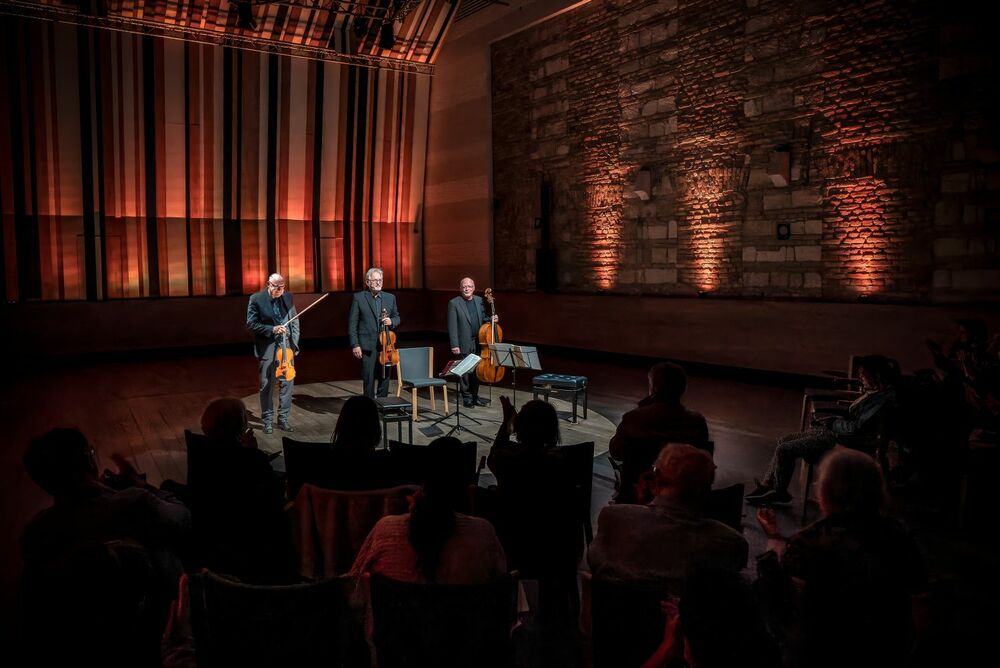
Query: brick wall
column 812, row 149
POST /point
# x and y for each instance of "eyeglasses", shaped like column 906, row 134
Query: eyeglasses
column 277, row 285
column 375, row 280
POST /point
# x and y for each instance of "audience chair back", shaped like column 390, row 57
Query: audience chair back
column 726, row 505
column 415, row 371
column 329, row 526
column 443, row 625
column 196, row 445
column 410, row 465
column 626, row 621
column 318, row 463
column 236, row 624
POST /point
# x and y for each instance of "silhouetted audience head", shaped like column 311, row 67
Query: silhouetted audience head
column 851, row 482
column 225, row 421
column 667, row 381
column 537, row 424
column 685, row 473
column 61, row 461
column 432, row 516
column 972, row 332
column 358, row 427
column 722, row 623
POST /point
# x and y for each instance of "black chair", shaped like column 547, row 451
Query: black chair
column 443, row 625
column 410, row 465
column 320, row 464
column 579, row 459
column 626, row 621
column 726, row 506
column 236, row 624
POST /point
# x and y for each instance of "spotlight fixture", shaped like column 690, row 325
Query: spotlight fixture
column 244, row 16
column 386, row 36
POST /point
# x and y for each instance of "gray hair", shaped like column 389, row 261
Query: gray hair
column 373, row 270
column 851, row 481
column 275, row 277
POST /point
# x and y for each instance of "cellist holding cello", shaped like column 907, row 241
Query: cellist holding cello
column 465, row 316
column 267, row 313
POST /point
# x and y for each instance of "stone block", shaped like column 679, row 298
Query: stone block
column 782, row 98
column 658, row 276
column 753, row 107
column 649, row 108
column 672, row 229
column 666, row 105
column 950, row 247
column 971, row 214
column 808, row 253
column 658, row 255
column 657, row 231
column 814, row 227
column 672, row 256
column 976, row 279
column 756, row 279
column 749, row 254
column 777, row 200
column 802, row 197
column 758, row 23
column 657, row 129
column 798, row 228
column 779, row 279
column 947, row 213
column 670, row 275
column 774, row 255
column 956, row 182
column 795, row 281
column 977, row 247
column 813, row 280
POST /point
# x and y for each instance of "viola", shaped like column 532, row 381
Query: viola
column 286, row 359
column 388, row 354
column 487, row 371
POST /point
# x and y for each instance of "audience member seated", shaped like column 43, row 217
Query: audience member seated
column 841, row 590
column 715, row 624
column 664, row 540
column 237, row 502
column 357, row 463
column 878, row 376
column 78, row 533
column 659, row 419
column 433, row 543
column 539, row 523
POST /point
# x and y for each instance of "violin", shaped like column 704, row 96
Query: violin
column 487, row 371
column 388, row 354
column 286, row 359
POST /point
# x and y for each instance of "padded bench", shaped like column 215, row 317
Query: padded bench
column 394, row 409
column 553, row 383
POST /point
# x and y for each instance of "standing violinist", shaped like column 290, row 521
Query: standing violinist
column 267, row 313
column 465, row 316
column 363, row 329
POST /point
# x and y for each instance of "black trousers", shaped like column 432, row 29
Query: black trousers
column 371, row 375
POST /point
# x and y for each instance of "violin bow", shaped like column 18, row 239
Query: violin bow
column 299, row 314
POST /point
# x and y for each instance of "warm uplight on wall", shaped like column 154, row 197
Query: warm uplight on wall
column 862, row 217
column 706, row 232
column 604, row 218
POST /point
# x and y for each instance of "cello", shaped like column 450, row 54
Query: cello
column 487, row 371
column 388, row 355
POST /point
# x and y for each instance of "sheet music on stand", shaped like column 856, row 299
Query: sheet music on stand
column 514, row 357
column 462, row 366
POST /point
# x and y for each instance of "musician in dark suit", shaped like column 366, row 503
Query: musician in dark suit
column 465, row 316
column 363, row 328
column 267, row 314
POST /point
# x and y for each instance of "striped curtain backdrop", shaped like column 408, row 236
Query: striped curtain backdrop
column 138, row 166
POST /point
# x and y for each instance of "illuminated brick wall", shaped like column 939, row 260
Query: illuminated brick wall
column 791, row 149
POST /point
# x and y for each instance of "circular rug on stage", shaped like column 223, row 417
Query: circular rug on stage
column 316, row 407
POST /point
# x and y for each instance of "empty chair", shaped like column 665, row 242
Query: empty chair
column 442, row 625
column 236, row 624
column 329, row 526
column 415, row 371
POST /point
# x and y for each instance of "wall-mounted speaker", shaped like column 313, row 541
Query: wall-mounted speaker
column 545, row 269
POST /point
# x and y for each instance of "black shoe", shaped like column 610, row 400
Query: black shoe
column 774, row 497
column 283, row 425
column 268, row 429
column 481, row 402
column 468, row 403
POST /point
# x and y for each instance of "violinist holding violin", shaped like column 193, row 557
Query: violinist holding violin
column 363, row 329
column 465, row 316
column 267, row 313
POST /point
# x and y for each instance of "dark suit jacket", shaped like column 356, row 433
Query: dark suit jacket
column 362, row 325
column 261, row 320
column 463, row 333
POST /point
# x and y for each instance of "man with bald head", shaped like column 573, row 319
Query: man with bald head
column 267, row 316
column 465, row 317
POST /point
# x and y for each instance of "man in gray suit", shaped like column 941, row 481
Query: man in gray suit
column 363, row 328
column 267, row 313
column 465, row 316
